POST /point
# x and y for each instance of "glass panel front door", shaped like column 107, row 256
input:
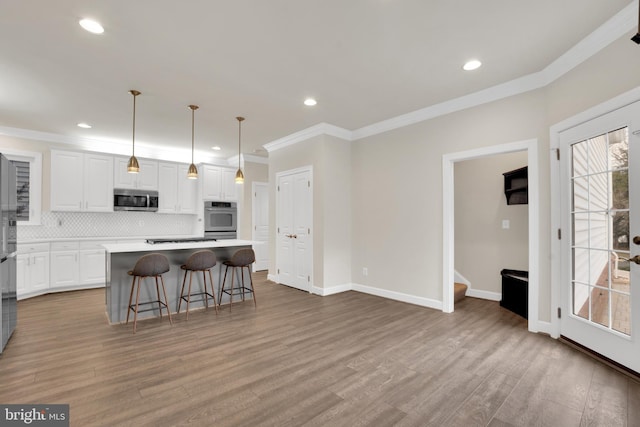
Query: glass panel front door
column 599, row 193
column 600, row 225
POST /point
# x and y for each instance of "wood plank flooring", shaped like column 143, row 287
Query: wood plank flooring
column 304, row 360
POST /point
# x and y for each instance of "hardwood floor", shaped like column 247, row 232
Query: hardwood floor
column 299, row 359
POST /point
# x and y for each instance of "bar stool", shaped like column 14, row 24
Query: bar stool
column 242, row 259
column 203, row 261
column 150, row 265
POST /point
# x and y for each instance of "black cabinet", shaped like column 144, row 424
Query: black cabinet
column 516, row 186
column 515, row 291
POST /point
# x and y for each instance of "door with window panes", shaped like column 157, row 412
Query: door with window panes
column 600, row 193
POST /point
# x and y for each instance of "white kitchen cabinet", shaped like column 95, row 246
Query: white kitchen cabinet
column 218, row 183
column 32, row 264
column 146, row 179
column 64, row 265
column 77, row 265
column 81, row 182
column 92, row 263
column 229, row 186
column 177, row 193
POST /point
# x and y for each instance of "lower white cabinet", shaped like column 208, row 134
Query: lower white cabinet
column 64, row 265
column 76, row 265
column 92, row 263
column 32, row 264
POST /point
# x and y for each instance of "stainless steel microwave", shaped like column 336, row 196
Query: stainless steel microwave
column 135, row 200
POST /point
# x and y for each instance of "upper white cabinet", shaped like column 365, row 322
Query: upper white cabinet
column 218, row 183
column 178, row 194
column 81, row 182
column 146, row 179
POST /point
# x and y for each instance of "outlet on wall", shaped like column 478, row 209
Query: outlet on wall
column 365, row 271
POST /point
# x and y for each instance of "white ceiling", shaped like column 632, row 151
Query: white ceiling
column 363, row 60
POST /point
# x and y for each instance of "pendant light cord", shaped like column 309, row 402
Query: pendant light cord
column 193, row 111
column 133, row 144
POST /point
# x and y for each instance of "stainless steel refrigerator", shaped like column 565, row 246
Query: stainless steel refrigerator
column 8, row 240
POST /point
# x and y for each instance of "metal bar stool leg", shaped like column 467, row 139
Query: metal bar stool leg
column 224, row 282
column 233, row 270
column 158, row 296
column 133, row 283
column 166, row 300
column 213, row 291
column 253, row 292
column 189, row 295
column 182, row 290
column 135, row 313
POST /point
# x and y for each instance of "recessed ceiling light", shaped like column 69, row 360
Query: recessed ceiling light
column 474, row 64
column 91, row 26
column 310, row 102
column 84, row 125
column 217, row 148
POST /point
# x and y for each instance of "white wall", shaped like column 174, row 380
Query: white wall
column 482, row 247
column 253, row 172
column 400, row 240
column 330, row 159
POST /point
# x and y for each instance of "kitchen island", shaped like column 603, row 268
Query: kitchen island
column 121, row 257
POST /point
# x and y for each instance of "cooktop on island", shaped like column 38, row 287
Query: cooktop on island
column 181, row 240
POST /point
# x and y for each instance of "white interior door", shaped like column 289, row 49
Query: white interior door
column 293, row 231
column 600, row 193
column 260, row 207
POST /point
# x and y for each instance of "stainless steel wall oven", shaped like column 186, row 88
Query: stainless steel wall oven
column 220, row 220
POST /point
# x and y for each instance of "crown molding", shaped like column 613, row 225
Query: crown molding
column 254, row 159
column 308, row 133
column 616, row 27
column 604, row 35
column 607, row 33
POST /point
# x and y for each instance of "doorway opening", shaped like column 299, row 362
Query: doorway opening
column 448, row 218
column 491, row 230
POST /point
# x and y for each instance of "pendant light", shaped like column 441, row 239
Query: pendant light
column 133, row 166
column 239, row 174
column 193, row 171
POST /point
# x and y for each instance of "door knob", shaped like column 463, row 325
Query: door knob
column 636, row 240
column 635, row 259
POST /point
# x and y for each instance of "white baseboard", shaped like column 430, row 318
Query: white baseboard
column 332, row 290
column 544, row 327
column 398, row 296
column 491, row 296
column 272, row 277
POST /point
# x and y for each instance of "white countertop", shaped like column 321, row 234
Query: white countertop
column 158, row 247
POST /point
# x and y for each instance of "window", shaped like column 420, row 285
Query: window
column 29, row 184
column 22, row 171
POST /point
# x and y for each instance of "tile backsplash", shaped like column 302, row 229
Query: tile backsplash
column 56, row 225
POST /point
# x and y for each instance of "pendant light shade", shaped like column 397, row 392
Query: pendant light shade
column 133, row 166
column 192, row 173
column 239, row 174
